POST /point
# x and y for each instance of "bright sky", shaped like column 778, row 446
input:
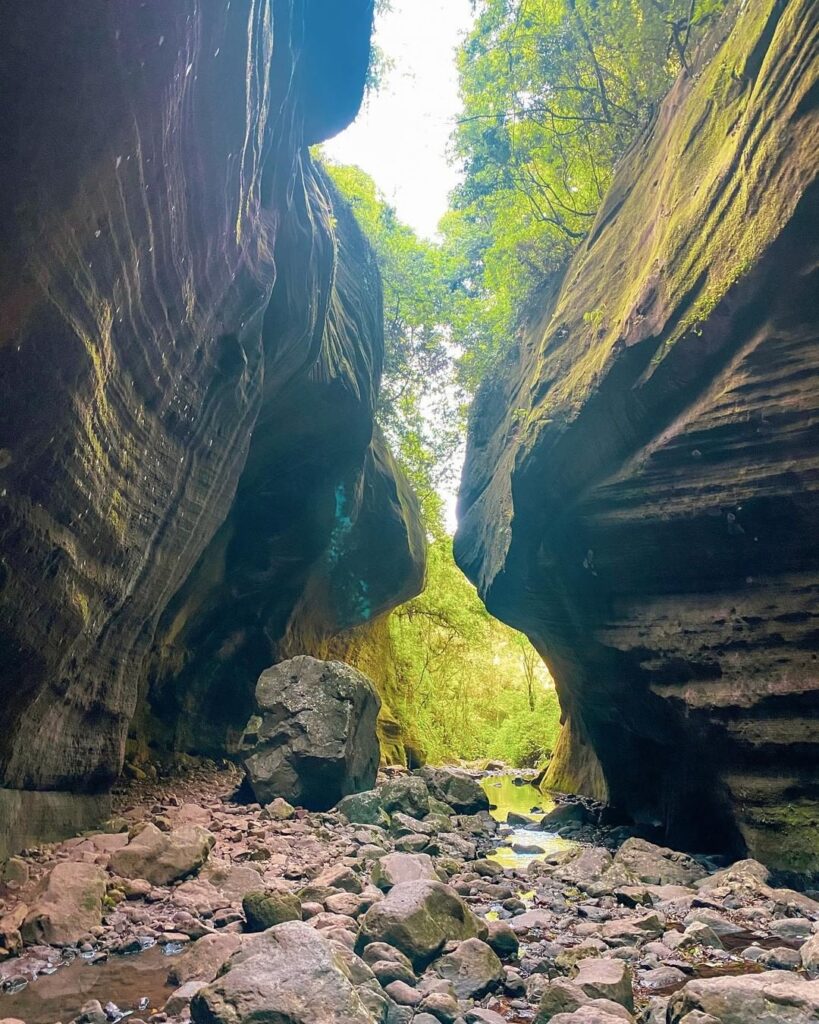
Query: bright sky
column 400, row 138
column 401, row 135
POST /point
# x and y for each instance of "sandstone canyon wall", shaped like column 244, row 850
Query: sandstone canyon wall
column 641, row 492
column 190, row 352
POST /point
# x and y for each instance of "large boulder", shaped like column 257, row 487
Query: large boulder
column 419, row 918
column 641, row 861
column 639, row 493
column 775, row 997
column 291, row 973
column 472, row 967
column 314, row 738
column 396, row 868
column 458, row 789
column 163, row 857
column 69, row 906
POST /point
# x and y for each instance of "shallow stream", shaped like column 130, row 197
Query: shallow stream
column 137, row 984
column 512, row 794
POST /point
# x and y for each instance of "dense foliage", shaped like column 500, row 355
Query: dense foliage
column 553, row 93
column 470, row 687
column 420, row 407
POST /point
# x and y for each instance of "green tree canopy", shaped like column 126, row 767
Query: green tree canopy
column 553, row 93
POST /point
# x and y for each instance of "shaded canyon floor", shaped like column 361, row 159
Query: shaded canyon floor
column 416, row 904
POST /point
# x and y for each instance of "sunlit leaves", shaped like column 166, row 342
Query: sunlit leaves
column 553, row 91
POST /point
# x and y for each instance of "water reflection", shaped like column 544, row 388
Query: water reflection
column 510, row 795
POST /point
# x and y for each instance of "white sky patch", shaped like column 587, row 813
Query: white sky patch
column 402, row 134
column 400, row 137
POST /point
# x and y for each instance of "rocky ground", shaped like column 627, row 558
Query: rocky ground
column 387, row 909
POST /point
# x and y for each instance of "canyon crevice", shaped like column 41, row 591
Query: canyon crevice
column 641, row 493
column 190, row 354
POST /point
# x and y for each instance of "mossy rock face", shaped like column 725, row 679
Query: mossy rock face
column 639, row 493
column 267, row 908
column 194, row 481
column 364, row 809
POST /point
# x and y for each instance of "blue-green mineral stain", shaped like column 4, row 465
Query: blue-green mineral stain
column 355, row 589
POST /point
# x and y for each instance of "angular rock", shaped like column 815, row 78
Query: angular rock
column 502, row 938
column 778, row 997
column 602, row 978
column 314, row 740
column 456, row 789
column 364, row 808
column 809, row 954
column 69, row 906
column 270, row 907
column 408, row 794
column 473, row 968
column 163, row 857
column 202, row 959
column 291, row 973
column 395, row 868
column 656, row 865
column 418, row 918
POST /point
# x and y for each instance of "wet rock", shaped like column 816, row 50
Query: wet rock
column 270, row 907
column 69, row 906
column 178, row 1001
column 605, row 979
column 163, row 857
column 92, row 1013
column 775, row 996
column 291, row 973
column 364, row 808
column 456, row 789
column 473, row 968
column 395, row 868
column 408, row 794
column 203, row 958
column 315, row 740
column 418, row 918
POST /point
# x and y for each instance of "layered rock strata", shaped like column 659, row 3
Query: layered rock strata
column 190, row 352
column 641, row 492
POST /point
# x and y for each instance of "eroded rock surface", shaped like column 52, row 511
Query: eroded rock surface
column 640, row 493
